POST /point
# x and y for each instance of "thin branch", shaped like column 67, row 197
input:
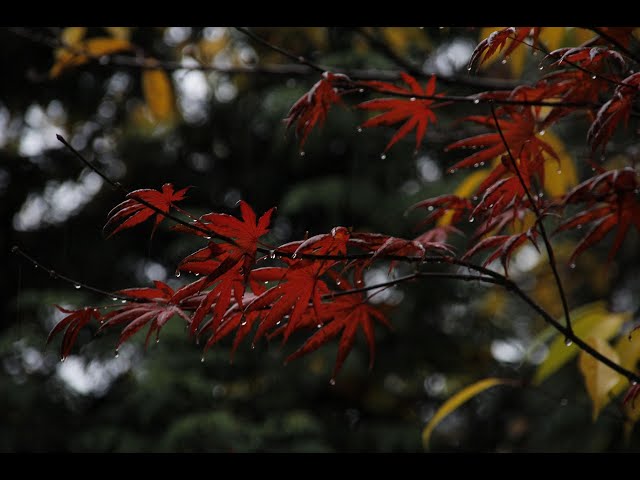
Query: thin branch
column 395, row 281
column 388, row 52
column 536, row 211
column 282, row 51
column 55, row 275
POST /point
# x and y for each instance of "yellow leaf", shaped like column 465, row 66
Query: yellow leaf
column 557, row 184
column 581, row 35
column 464, row 190
column 598, row 377
column 628, row 350
column 119, row 32
column 71, row 36
column 458, row 399
column 84, row 51
column 158, row 93
column 552, row 37
column 632, row 412
column 591, row 320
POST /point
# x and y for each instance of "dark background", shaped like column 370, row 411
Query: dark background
column 229, row 143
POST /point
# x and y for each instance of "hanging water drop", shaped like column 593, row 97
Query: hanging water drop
column 207, row 238
column 77, row 286
column 471, row 220
column 157, row 341
column 62, row 359
column 572, row 266
column 202, row 359
column 302, row 153
column 593, row 77
column 568, row 342
column 332, row 382
column 338, row 282
column 361, row 90
column 412, row 99
column 634, row 383
column 542, row 132
column 559, row 172
column 359, row 129
column 253, row 346
column 177, row 273
column 579, row 226
column 383, row 156
column 430, row 208
column 117, row 354
column 123, row 301
column 197, row 274
column 115, row 299
column 476, row 165
column 482, row 164
column 504, row 61
column 272, row 254
column 476, row 101
column 541, row 67
column 468, row 69
column 294, row 256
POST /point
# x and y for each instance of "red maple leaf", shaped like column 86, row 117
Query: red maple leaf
column 615, row 193
column 312, row 108
column 154, row 306
column 75, row 321
column 497, row 41
column 416, row 111
column 505, row 246
column 344, row 314
column 614, row 111
column 136, row 209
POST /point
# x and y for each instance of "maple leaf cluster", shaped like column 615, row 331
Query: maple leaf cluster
column 316, row 285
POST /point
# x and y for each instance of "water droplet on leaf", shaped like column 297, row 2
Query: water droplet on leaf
column 476, row 101
column 568, row 342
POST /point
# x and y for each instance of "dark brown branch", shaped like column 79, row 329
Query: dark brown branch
column 282, row 51
column 536, row 211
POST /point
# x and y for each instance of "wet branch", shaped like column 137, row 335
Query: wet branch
column 538, row 214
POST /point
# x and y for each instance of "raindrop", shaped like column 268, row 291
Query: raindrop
column 593, row 77
column 114, row 299
column 243, row 323
column 177, row 273
column 302, row 154
column 469, row 69
column 504, row 61
column 476, row 165
column 535, row 53
column 253, row 346
column 294, row 256
column 117, row 354
column 476, row 101
column 319, row 325
column 202, row 360
column 35, row 266
column 568, row 342
column 452, row 170
column 123, row 301
column 634, row 383
column 383, row 156
column 412, row 99
column 579, row 226
column 471, row 220
column 359, row 129
column 430, row 208
column 361, row 90
column 207, row 238
column 482, row 164
column 338, row 282
column 332, row 382
column 197, row 274
column 62, row 359
column 157, row 341
column 559, row 172
column 541, row 67
column 474, row 198
column 572, row 266
column 77, row 286
column 272, row 254
column 542, row 132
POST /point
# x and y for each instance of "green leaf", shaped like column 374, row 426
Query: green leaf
column 598, row 377
column 458, row 399
column 591, row 320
